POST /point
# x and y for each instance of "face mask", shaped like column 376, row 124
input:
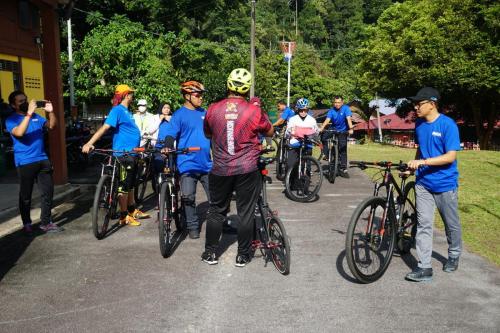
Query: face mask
column 24, row 107
column 142, row 109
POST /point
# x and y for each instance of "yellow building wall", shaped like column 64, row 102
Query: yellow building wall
column 7, row 78
column 32, row 73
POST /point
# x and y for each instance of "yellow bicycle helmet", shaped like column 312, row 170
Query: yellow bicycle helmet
column 239, row 81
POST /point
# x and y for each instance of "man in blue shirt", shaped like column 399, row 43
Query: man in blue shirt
column 340, row 117
column 186, row 129
column 126, row 137
column 437, row 182
column 27, row 131
column 286, row 113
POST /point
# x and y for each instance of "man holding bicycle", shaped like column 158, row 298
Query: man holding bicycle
column 436, row 182
column 126, row 137
column 340, row 117
column 286, row 113
column 186, row 129
column 233, row 124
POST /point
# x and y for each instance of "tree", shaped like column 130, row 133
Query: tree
column 449, row 44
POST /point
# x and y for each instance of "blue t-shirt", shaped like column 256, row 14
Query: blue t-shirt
column 287, row 114
column 435, row 139
column 186, row 127
column 339, row 117
column 126, row 135
column 162, row 132
column 29, row 148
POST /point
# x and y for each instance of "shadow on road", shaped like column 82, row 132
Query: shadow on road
column 15, row 244
column 341, row 270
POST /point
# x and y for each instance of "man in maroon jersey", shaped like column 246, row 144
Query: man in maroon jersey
column 233, row 125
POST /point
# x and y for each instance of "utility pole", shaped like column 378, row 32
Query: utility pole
column 252, row 51
column 378, row 119
column 70, row 66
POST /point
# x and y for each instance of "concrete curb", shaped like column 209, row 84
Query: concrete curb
column 10, row 220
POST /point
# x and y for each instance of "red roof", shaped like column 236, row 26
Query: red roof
column 388, row 122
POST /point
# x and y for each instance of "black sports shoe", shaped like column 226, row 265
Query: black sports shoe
column 420, row 275
column 451, row 265
column 344, row 174
column 242, row 260
column 209, row 257
column 194, row 234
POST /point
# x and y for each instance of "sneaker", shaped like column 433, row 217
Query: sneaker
column 344, row 174
column 194, row 234
column 451, row 265
column 209, row 257
column 50, row 228
column 137, row 214
column 242, row 260
column 28, row 229
column 128, row 219
column 420, row 274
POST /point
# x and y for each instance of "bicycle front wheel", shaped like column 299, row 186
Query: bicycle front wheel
column 279, row 245
column 303, row 181
column 166, row 229
column 370, row 240
column 104, row 207
column 333, row 163
column 407, row 220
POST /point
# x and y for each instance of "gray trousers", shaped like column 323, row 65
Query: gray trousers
column 447, row 205
column 188, row 189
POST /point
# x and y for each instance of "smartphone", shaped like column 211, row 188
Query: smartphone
column 40, row 104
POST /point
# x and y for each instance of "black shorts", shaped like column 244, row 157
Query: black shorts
column 128, row 169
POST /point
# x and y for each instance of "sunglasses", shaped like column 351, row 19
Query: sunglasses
column 419, row 104
column 197, row 94
column 302, row 110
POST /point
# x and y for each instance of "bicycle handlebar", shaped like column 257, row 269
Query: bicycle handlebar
column 384, row 164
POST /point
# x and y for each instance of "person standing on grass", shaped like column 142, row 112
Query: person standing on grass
column 436, row 182
column 27, row 131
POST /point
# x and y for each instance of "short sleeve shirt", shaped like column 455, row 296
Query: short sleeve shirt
column 30, row 147
column 186, row 127
column 127, row 135
column 287, row 114
column 435, row 139
column 234, row 125
column 339, row 117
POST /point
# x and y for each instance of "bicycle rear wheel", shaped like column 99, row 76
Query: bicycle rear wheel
column 281, row 161
column 333, row 160
column 279, row 245
column 167, row 230
column 407, row 220
column 303, row 182
column 141, row 181
column 369, row 244
column 104, row 207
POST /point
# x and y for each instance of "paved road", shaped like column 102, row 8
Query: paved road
column 71, row 282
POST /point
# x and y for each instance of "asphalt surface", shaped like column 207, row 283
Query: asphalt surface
column 71, row 282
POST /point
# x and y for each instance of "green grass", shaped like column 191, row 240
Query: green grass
column 479, row 193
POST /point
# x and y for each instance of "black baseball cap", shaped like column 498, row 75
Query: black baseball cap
column 426, row 93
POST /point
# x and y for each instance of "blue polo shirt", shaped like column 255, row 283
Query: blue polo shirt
column 287, row 114
column 338, row 118
column 29, row 148
column 435, row 139
column 186, row 127
column 127, row 135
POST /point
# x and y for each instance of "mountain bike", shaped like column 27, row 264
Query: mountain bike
column 303, row 180
column 270, row 236
column 380, row 224
column 281, row 152
column 333, row 155
column 105, row 205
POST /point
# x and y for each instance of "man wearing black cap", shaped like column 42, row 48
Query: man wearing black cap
column 436, row 182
